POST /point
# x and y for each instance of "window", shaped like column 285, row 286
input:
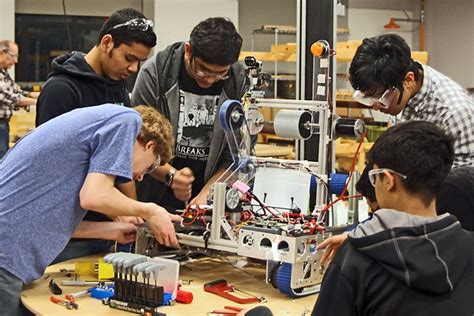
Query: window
column 41, row 38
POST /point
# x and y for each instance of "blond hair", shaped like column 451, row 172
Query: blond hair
column 157, row 128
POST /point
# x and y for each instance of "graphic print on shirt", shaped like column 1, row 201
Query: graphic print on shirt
column 195, row 125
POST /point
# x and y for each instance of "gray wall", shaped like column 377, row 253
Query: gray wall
column 175, row 19
column 450, row 38
column 7, row 20
column 75, row 7
column 255, row 13
column 449, row 33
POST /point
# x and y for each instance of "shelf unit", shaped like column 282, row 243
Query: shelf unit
column 278, row 52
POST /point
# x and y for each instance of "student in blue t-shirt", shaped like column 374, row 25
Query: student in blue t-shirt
column 66, row 166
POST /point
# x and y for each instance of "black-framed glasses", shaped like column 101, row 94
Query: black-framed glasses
column 207, row 74
column 155, row 165
column 138, row 24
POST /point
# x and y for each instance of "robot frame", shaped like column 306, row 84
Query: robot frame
column 285, row 237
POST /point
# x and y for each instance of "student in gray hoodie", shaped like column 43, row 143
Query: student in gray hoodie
column 188, row 82
column 406, row 260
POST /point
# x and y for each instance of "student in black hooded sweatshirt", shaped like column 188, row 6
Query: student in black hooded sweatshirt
column 81, row 80
column 406, row 260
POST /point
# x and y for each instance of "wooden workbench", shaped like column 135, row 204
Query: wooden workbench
column 251, row 279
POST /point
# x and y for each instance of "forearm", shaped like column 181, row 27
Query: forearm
column 33, row 95
column 98, row 193
column 99, row 230
column 211, row 181
column 26, row 101
column 129, row 189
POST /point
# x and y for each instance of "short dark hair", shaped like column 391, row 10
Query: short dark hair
column 125, row 35
column 216, row 41
column 381, row 61
column 363, row 185
column 421, row 151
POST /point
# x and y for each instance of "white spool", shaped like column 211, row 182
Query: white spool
column 291, row 124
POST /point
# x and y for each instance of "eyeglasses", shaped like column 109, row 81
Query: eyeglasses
column 138, row 24
column 385, row 100
column 374, row 172
column 153, row 167
column 12, row 55
column 204, row 74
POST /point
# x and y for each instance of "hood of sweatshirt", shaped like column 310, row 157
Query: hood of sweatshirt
column 416, row 250
column 73, row 65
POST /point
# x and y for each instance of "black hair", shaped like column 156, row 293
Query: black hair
column 216, row 41
column 382, row 61
column 421, row 151
column 125, row 35
column 364, row 187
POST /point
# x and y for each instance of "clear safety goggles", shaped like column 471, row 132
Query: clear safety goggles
column 374, row 172
column 385, row 100
column 138, row 24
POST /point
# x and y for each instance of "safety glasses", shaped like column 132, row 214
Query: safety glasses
column 207, row 74
column 374, row 172
column 153, row 167
column 138, row 24
column 385, row 100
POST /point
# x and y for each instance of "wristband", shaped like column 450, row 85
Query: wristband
column 169, row 177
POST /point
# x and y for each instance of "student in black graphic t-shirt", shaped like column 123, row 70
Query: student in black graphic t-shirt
column 188, row 82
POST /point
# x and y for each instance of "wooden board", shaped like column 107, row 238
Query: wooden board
column 250, row 279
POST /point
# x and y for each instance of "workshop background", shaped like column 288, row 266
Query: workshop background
column 268, row 28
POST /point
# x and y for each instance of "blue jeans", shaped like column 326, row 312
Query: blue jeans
column 81, row 248
column 4, row 137
column 10, row 293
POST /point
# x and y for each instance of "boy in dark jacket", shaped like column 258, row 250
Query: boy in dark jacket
column 406, row 260
column 82, row 80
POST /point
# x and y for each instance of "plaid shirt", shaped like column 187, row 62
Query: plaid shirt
column 443, row 102
column 10, row 94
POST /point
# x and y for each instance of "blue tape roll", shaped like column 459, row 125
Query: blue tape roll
column 337, row 181
column 225, row 112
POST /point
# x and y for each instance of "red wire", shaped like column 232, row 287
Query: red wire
column 353, row 164
column 197, row 212
column 344, row 190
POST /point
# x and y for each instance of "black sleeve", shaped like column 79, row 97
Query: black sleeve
column 58, row 96
column 337, row 295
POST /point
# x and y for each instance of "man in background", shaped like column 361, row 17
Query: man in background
column 11, row 95
column 188, row 82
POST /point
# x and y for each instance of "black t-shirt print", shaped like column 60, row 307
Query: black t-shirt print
column 197, row 113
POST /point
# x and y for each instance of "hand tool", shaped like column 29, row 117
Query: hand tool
column 54, row 287
column 223, row 289
column 67, row 304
